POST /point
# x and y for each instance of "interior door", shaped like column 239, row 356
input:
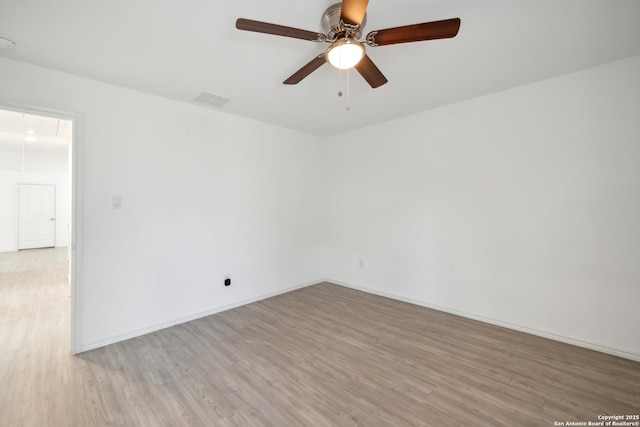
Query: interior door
column 36, row 216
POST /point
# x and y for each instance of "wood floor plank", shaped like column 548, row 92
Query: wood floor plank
column 324, row 355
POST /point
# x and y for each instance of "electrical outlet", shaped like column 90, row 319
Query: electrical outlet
column 227, row 280
column 361, row 263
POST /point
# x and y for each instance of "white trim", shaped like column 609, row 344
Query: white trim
column 75, row 272
column 76, row 241
column 191, row 317
column 561, row 338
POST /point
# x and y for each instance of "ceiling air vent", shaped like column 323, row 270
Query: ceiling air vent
column 211, row 99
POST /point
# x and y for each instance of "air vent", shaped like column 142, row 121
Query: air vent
column 211, row 99
column 6, row 43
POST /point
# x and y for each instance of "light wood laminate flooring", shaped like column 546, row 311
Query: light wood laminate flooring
column 324, row 355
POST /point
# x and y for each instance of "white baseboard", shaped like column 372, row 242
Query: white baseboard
column 173, row 322
column 568, row 340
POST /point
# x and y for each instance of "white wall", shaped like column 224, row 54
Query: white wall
column 40, row 168
column 203, row 194
column 522, row 207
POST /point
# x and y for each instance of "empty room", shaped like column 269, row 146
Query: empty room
column 356, row 213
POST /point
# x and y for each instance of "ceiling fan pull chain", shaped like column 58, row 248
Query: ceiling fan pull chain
column 348, row 94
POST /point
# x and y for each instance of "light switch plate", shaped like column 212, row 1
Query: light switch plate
column 116, row 202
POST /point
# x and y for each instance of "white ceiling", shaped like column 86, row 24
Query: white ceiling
column 179, row 49
column 44, row 134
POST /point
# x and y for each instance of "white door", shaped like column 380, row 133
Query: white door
column 36, row 216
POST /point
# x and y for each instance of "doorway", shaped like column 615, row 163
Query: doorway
column 39, row 190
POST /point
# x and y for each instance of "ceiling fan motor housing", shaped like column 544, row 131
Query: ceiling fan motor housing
column 335, row 28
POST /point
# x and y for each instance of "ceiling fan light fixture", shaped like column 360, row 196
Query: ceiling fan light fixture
column 345, row 53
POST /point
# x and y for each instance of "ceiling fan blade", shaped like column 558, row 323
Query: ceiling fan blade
column 353, row 11
column 277, row 30
column 303, row 72
column 370, row 72
column 414, row 33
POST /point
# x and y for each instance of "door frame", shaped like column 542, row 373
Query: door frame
column 76, row 179
column 55, row 209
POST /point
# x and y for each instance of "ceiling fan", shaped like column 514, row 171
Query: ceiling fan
column 343, row 24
